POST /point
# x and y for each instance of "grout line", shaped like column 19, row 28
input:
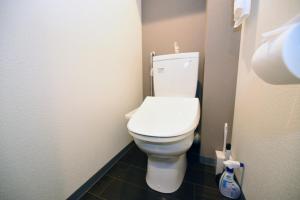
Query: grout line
column 134, row 166
column 138, row 167
column 130, row 183
column 101, row 198
column 202, row 185
column 104, row 188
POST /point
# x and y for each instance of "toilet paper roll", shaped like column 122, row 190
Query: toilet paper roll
column 277, row 60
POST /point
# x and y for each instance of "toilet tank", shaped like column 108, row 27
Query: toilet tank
column 176, row 75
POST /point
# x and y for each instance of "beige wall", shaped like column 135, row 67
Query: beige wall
column 220, row 71
column 69, row 71
column 172, row 20
column 266, row 132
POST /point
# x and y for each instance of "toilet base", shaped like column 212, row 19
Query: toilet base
column 165, row 174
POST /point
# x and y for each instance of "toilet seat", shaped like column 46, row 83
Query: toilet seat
column 166, row 118
column 159, row 139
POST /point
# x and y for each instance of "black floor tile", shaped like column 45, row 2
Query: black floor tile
column 100, row 186
column 207, row 193
column 127, row 180
column 201, row 175
column 136, row 176
column 88, row 196
column 119, row 170
column 136, row 158
column 202, row 167
column 193, row 158
column 185, row 192
column 130, row 174
column 119, row 190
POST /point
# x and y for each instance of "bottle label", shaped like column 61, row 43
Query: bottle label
column 229, row 188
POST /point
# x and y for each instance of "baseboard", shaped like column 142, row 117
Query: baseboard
column 207, row 161
column 94, row 179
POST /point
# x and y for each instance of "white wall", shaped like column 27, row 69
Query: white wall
column 69, row 71
column 266, row 132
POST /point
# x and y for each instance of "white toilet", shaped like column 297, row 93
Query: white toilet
column 163, row 126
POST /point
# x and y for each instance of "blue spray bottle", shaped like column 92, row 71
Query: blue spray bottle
column 227, row 185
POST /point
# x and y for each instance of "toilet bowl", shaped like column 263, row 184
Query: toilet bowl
column 163, row 128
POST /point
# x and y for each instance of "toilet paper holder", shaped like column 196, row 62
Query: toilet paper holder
column 277, row 59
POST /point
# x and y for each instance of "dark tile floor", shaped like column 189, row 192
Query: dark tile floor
column 126, row 181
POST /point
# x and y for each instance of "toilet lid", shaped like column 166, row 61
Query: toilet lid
column 165, row 116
